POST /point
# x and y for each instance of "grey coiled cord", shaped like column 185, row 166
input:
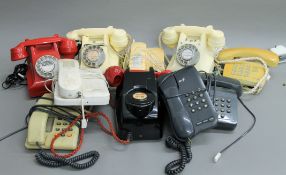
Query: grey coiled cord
column 51, row 161
column 178, row 166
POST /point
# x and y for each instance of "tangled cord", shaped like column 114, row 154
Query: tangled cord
column 17, row 77
column 177, row 166
column 58, row 160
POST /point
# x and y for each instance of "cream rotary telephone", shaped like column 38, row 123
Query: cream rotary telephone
column 100, row 47
column 195, row 46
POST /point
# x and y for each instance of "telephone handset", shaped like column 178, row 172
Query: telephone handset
column 188, row 104
column 248, row 65
column 224, row 93
column 42, row 128
column 142, row 58
column 42, row 55
column 195, row 46
column 77, row 86
column 100, row 47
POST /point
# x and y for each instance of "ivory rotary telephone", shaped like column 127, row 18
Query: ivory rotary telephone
column 42, row 55
column 195, row 46
column 100, row 47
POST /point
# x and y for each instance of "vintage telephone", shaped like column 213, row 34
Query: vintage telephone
column 42, row 55
column 248, row 65
column 77, row 86
column 188, row 103
column 101, row 47
column 137, row 107
column 43, row 126
column 195, row 46
column 224, row 93
column 142, row 58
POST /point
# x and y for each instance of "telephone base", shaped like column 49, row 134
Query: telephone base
column 36, row 88
column 93, row 88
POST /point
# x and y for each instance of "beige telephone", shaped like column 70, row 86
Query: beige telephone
column 142, row 58
column 195, row 46
column 42, row 127
column 101, row 47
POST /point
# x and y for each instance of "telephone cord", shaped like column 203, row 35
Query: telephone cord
column 259, row 85
column 17, row 77
column 177, row 166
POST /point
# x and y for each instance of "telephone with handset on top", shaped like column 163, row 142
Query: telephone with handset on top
column 195, row 46
column 43, row 126
column 100, row 47
column 248, row 65
column 77, row 86
column 224, row 93
column 188, row 103
column 42, row 55
column 142, row 58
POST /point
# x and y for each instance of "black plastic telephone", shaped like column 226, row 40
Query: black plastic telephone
column 224, row 93
column 188, row 103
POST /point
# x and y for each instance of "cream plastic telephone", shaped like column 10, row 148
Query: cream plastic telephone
column 142, row 58
column 42, row 127
column 195, row 46
column 100, row 47
column 76, row 87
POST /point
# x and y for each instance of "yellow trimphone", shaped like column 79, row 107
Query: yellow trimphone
column 142, row 58
column 248, row 65
column 42, row 128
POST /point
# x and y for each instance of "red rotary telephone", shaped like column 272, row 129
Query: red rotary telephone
column 42, row 55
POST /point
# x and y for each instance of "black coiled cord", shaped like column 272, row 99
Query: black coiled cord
column 51, row 161
column 17, row 77
column 178, row 166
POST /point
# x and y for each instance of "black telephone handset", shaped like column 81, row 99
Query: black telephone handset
column 188, row 104
column 224, row 93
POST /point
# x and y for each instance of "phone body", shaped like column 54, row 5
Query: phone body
column 77, row 86
column 42, row 128
column 42, row 55
column 142, row 58
column 188, row 103
column 195, row 46
column 224, row 93
column 137, row 107
column 247, row 72
column 100, row 47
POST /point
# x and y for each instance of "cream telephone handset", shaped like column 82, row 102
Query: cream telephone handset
column 76, row 87
column 100, row 47
column 195, row 46
column 42, row 128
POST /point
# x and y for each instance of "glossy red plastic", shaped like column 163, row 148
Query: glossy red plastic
column 114, row 75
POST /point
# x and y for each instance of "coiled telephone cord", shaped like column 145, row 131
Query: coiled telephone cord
column 17, row 77
column 177, row 166
column 58, row 160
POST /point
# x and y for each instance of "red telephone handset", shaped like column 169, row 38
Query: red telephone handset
column 42, row 55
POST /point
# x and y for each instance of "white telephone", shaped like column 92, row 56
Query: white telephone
column 77, row 86
column 101, row 47
column 195, row 46
column 42, row 128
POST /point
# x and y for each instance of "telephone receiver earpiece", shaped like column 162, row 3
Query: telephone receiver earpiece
column 67, row 47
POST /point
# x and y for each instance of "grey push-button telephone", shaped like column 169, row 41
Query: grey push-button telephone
column 187, row 102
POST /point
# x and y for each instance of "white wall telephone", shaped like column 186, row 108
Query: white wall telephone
column 76, row 86
column 100, row 47
column 195, row 46
column 43, row 127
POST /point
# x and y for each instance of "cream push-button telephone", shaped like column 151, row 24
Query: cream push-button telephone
column 142, row 58
column 42, row 128
column 100, row 47
column 195, row 46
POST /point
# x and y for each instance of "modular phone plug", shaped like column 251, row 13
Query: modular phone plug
column 187, row 101
column 224, row 93
column 137, row 107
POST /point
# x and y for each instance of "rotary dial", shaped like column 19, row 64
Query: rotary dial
column 46, row 66
column 93, row 56
column 187, row 55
